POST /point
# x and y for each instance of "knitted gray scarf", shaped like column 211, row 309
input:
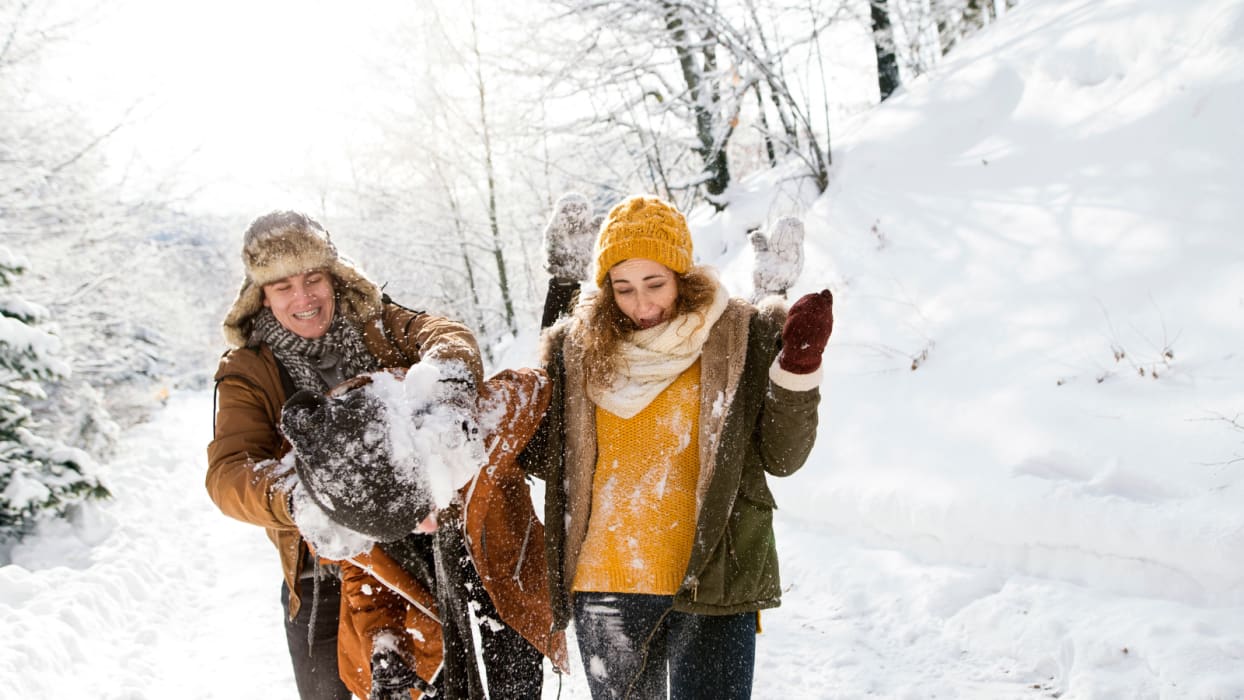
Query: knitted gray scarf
column 341, row 350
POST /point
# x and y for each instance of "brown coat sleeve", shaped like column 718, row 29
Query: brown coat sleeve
column 399, row 337
column 504, row 534
column 242, row 478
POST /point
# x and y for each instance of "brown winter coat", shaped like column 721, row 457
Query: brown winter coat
column 244, row 478
column 505, row 539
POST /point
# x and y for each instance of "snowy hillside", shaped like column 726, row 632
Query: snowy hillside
column 1040, row 290
column 1048, row 228
column 1029, row 476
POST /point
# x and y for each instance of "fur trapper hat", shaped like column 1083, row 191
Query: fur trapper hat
column 284, row 243
column 643, row 227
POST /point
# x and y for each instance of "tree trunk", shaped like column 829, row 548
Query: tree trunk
column 775, row 93
column 764, row 125
column 822, row 161
column 456, row 210
column 704, row 101
column 497, row 253
column 974, row 16
column 883, row 41
column 947, row 29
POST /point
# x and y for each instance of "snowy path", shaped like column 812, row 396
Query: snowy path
column 157, row 595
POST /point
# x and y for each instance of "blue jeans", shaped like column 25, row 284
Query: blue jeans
column 633, row 644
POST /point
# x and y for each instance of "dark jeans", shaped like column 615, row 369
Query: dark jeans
column 632, row 643
column 313, row 648
column 515, row 668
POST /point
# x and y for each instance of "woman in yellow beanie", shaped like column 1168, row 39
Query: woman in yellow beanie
column 671, row 402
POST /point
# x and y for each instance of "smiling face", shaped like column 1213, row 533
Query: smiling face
column 644, row 290
column 302, row 303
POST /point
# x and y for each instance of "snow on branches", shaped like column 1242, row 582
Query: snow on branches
column 39, row 475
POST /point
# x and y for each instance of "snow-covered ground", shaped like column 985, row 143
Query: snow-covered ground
column 158, row 596
column 1027, row 481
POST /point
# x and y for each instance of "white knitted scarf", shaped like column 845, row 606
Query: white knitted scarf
column 651, row 359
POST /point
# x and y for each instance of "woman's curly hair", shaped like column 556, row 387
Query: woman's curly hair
column 603, row 326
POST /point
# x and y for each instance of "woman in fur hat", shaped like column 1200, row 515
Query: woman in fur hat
column 671, row 403
column 306, row 318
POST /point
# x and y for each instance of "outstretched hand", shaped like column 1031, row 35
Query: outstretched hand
column 779, row 257
column 569, row 237
column 808, row 325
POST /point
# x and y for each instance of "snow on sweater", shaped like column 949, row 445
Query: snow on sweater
column 643, row 495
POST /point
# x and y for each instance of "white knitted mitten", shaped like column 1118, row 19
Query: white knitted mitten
column 569, row 237
column 779, row 257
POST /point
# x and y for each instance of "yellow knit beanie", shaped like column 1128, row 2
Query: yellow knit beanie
column 643, row 227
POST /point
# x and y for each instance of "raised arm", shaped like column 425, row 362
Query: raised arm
column 788, row 420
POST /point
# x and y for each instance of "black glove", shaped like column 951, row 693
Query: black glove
column 392, row 677
column 345, row 461
column 332, row 431
column 456, row 393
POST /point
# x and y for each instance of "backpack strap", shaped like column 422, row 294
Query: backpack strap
column 405, row 330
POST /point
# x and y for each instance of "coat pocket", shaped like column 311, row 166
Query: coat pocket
column 742, row 569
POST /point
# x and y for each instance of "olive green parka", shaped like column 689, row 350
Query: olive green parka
column 755, row 419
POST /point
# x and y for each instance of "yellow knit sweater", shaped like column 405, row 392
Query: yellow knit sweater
column 642, row 523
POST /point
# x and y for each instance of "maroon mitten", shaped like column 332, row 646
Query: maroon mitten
column 808, row 325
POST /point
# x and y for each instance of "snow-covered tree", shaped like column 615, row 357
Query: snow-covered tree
column 39, row 476
column 932, row 28
column 671, row 86
column 61, row 206
column 438, row 206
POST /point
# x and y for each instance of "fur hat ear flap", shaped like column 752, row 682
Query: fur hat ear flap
column 237, row 325
column 358, row 299
column 285, row 243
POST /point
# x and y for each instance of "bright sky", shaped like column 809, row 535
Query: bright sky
column 258, row 98
column 244, row 94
